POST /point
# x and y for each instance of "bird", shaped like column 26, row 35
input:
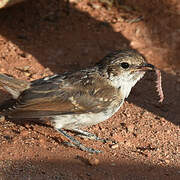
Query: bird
column 77, row 99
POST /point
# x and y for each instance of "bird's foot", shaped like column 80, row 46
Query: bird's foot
column 87, row 135
column 76, row 143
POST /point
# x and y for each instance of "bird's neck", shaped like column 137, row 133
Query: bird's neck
column 125, row 83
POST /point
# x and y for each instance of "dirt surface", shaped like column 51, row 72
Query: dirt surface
column 38, row 38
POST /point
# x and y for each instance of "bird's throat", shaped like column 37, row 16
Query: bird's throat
column 126, row 82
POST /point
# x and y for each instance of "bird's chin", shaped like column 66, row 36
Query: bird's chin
column 138, row 72
column 137, row 75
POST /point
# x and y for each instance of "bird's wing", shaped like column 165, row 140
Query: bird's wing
column 56, row 98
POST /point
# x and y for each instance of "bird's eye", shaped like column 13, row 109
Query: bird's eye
column 124, row 65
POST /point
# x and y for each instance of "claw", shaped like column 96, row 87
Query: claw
column 76, row 143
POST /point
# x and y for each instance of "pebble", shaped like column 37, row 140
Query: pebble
column 128, row 143
column 93, row 161
column 96, row 6
column 114, row 20
column 136, row 44
column 120, row 19
column 167, row 161
column 2, row 118
column 74, row 1
column 131, row 128
column 2, row 70
column 113, row 164
column 27, row 74
column 26, row 68
column 114, row 146
column 138, row 32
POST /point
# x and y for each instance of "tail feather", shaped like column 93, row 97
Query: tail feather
column 12, row 85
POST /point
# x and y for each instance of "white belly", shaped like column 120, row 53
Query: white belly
column 75, row 121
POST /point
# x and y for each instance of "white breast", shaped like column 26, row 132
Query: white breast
column 83, row 120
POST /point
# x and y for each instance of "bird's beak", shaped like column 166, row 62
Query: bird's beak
column 146, row 67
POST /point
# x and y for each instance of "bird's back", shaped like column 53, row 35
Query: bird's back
column 70, row 93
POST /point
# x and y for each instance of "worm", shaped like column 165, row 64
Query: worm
column 159, row 85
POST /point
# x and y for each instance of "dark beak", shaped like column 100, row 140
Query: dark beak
column 146, row 67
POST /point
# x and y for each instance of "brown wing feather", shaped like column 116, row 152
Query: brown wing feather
column 55, row 99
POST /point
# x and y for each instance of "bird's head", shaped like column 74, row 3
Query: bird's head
column 124, row 68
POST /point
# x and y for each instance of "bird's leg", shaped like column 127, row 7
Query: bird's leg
column 76, row 142
column 85, row 134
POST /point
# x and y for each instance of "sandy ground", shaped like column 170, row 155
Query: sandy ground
column 39, row 38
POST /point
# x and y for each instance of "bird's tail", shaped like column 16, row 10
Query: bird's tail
column 12, row 85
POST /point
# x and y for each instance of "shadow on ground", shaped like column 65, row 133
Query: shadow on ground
column 27, row 169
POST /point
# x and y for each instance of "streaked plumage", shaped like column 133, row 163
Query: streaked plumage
column 77, row 99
